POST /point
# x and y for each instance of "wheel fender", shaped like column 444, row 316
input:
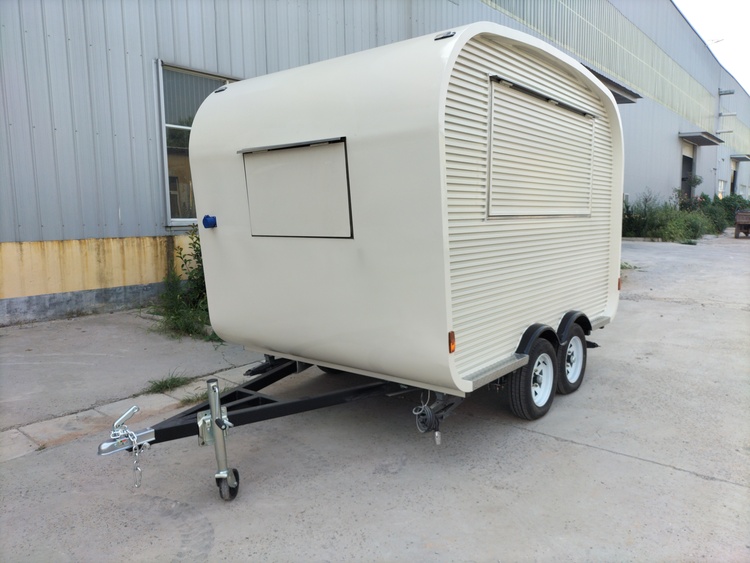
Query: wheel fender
column 537, row 330
column 569, row 319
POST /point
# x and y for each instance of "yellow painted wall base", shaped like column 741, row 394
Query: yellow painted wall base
column 48, row 267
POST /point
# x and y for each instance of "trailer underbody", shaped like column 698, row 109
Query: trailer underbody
column 247, row 404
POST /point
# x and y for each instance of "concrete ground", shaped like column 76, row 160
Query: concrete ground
column 79, row 367
column 648, row 461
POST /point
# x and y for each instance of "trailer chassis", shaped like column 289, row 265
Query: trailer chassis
column 246, row 404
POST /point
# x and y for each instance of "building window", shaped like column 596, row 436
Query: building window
column 720, row 188
column 182, row 92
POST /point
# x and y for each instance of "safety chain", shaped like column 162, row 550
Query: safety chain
column 124, row 432
column 137, row 472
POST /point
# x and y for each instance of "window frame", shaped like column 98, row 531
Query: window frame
column 161, row 67
column 496, row 83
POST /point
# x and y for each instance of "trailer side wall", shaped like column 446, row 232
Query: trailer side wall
column 534, row 196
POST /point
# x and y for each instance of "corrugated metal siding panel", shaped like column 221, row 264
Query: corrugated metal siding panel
column 326, row 35
column 19, row 194
column 40, row 119
column 359, row 25
column 62, row 159
column 668, row 29
column 165, row 30
column 287, row 34
column 737, row 141
column 253, row 32
column 119, row 123
column 430, row 16
column 86, row 191
column 148, row 155
column 105, row 182
column 7, row 197
column 595, row 31
column 228, row 40
column 211, row 38
column 393, row 21
column 508, row 273
column 739, row 138
column 185, row 40
column 140, row 141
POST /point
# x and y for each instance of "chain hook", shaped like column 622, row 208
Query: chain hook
column 137, row 472
column 137, row 450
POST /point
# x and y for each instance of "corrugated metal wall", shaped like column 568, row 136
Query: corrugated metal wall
column 599, row 34
column 81, row 135
column 80, row 148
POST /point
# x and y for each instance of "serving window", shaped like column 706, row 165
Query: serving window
column 541, row 154
column 299, row 190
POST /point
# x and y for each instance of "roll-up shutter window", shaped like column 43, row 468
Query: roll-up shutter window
column 541, row 159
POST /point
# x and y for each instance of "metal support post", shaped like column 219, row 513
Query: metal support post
column 220, row 424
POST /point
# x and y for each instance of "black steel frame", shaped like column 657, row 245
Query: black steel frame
column 245, row 404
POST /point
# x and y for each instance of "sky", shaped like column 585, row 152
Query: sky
column 725, row 27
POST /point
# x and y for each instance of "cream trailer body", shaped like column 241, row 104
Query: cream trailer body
column 427, row 212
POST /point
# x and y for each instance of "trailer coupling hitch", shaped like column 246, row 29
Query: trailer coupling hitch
column 124, row 439
column 429, row 416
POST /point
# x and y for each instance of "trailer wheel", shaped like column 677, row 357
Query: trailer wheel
column 532, row 387
column 572, row 361
column 225, row 491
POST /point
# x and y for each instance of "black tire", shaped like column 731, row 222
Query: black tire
column 572, row 359
column 532, row 388
column 225, row 491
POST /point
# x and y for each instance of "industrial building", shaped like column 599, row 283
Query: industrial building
column 98, row 98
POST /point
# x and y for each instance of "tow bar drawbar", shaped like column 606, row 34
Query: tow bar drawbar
column 212, row 429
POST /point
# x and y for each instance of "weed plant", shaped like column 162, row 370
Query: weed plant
column 679, row 220
column 183, row 306
column 194, row 398
column 169, row 383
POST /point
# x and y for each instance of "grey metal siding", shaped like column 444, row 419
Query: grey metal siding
column 650, row 138
column 80, row 148
column 79, row 123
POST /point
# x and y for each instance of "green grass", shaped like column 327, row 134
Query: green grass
column 194, row 398
column 627, row 266
column 201, row 397
column 168, row 383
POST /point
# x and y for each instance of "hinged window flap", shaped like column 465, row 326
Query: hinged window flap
column 293, row 145
column 299, row 190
